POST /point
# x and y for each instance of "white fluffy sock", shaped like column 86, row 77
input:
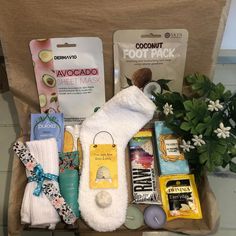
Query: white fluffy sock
column 122, row 116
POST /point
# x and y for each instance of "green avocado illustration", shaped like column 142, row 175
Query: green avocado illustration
column 49, row 80
column 45, row 55
column 42, row 100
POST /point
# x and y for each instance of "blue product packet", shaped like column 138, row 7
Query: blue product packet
column 171, row 157
column 44, row 126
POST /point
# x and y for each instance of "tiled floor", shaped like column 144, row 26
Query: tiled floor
column 224, row 186
column 8, row 132
column 4, row 186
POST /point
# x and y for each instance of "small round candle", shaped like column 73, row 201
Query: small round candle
column 134, row 218
column 154, row 217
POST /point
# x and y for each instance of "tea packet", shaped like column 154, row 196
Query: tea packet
column 145, row 57
column 143, row 169
column 180, row 197
column 44, row 126
column 69, row 74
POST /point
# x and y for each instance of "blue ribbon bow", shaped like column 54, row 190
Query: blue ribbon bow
column 39, row 176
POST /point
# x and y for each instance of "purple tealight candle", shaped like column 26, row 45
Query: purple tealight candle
column 154, row 217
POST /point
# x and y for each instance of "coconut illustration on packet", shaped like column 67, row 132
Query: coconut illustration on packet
column 150, row 88
column 142, row 78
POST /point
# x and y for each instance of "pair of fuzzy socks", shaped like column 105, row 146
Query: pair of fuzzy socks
column 122, row 117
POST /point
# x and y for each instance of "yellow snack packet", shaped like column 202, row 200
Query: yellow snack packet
column 180, row 197
column 68, row 142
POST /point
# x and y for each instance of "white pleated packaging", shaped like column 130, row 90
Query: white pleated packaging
column 37, row 210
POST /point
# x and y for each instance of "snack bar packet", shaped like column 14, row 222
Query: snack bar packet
column 143, row 168
column 144, row 57
column 69, row 75
column 180, row 197
column 44, row 126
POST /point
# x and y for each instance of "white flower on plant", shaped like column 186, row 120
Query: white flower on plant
column 186, row 146
column 167, row 109
column 222, row 131
column 197, row 140
column 215, row 105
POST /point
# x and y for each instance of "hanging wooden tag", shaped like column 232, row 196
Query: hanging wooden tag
column 103, row 166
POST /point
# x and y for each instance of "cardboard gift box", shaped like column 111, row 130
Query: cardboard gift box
column 21, row 21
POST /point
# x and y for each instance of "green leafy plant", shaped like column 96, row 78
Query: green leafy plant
column 206, row 121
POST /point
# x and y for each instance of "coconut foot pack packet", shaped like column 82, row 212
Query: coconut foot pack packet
column 144, row 57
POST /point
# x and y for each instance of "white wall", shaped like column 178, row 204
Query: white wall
column 229, row 38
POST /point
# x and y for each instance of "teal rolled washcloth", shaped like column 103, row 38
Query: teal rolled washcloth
column 69, row 179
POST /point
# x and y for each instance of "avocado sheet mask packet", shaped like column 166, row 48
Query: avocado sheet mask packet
column 44, row 126
column 143, row 57
column 69, row 74
column 171, row 157
column 180, row 197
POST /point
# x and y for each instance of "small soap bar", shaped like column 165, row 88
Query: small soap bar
column 134, row 218
column 103, row 199
column 171, row 157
